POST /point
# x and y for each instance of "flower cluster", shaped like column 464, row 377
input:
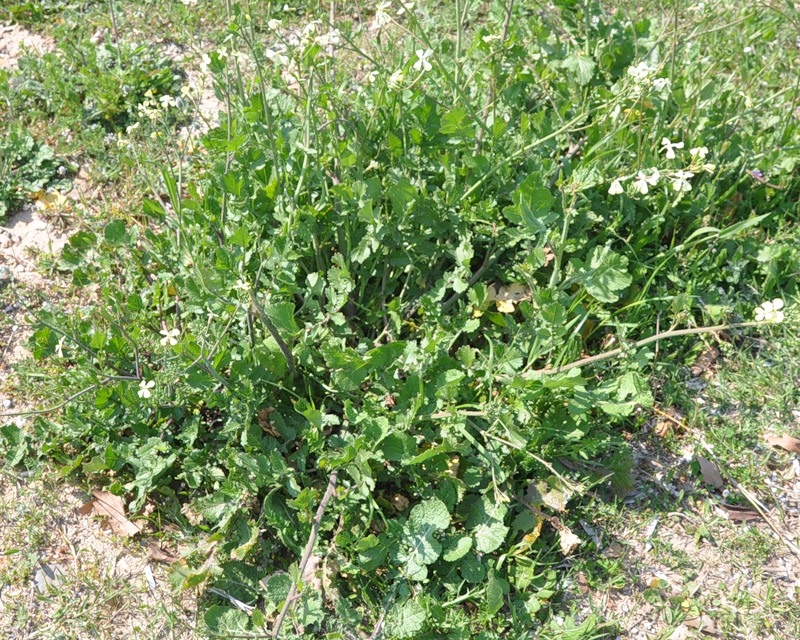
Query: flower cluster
column 680, row 177
column 770, row 311
column 642, row 76
column 382, row 16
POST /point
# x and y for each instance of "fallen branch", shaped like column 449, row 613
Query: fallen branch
column 754, row 502
column 307, row 552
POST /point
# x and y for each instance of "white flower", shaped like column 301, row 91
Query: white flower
column 396, row 79
column 640, row 71
column 701, row 152
column 422, row 64
column 709, row 167
column 274, row 24
column 60, row 347
column 681, row 181
column 332, row 38
column 372, row 76
column 382, row 17
column 770, row 311
column 144, row 388
column 615, row 188
column 659, row 84
column 492, row 37
column 166, row 102
column 405, row 6
column 748, row 49
column 670, row 147
column 642, row 181
column 170, row 337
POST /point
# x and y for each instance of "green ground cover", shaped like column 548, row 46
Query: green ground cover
column 381, row 335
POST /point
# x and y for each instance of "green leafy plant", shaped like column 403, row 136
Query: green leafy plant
column 105, row 85
column 357, row 333
column 26, row 166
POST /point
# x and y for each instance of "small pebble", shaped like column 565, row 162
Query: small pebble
column 7, row 403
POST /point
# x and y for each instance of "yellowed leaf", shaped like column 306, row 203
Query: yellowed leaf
column 784, row 441
column 452, row 466
column 533, row 536
column 505, row 306
column 110, row 506
column 311, row 573
column 569, row 541
column 508, row 296
column 50, row 201
column 514, row 291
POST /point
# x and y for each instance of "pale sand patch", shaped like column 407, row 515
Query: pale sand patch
column 15, row 40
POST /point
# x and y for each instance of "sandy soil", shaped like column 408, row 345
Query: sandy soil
column 15, row 40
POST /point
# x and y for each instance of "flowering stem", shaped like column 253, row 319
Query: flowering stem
column 493, row 85
column 635, row 345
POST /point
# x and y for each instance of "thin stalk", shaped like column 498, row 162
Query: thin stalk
column 287, row 352
column 116, row 32
column 635, row 345
column 559, row 250
column 519, row 153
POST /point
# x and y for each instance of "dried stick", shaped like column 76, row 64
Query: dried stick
column 307, row 552
column 755, row 502
column 635, row 345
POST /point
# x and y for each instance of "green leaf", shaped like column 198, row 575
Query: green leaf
column 406, row 621
column 115, row 233
column 489, row 536
column 604, row 274
column 627, row 392
column 532, row 206
column 431, row 513
column 282, row 316
column 580, row 68
column 457, row 549
column 455, row 122
column 421, row 548
column 226, row 620
column 471, row 569
column 372, row 551
column 277, row 587
column 495, row 590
